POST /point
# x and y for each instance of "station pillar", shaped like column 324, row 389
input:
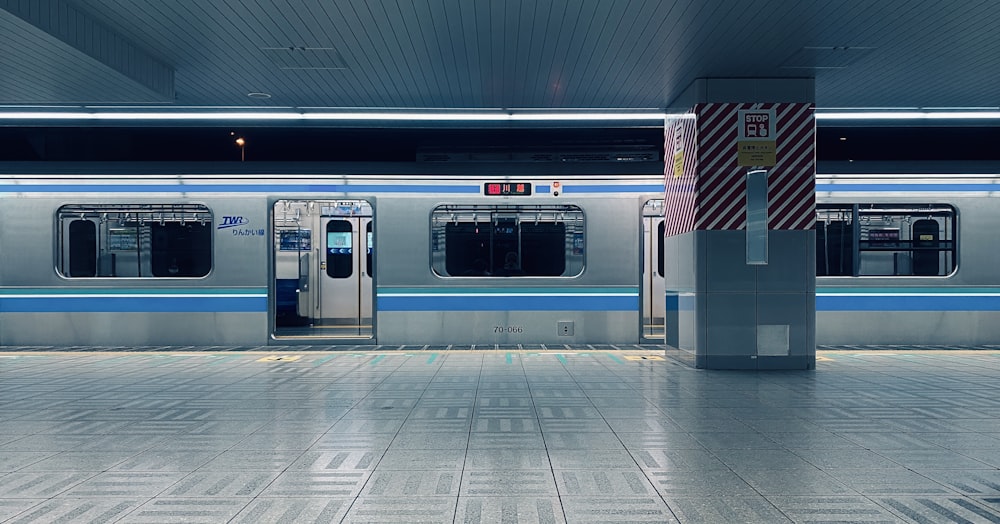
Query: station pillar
column 739, row 210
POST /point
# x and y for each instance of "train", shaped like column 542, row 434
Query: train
column 502, row 257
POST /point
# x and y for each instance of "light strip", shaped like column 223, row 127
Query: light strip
column 481, row 116
column 909, row 115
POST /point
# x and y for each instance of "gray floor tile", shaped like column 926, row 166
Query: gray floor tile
column 166, row 461
column 290, row 510
column 194, row 510
column 456, row 440
column 854, row 509
column 259, row 460
column 976, row 482
column 83, row 510
column 506, row 459
column 659, row 440
column 939, row 509
column 337, row 460
column 413, row 483
column 508, row 483
column 121, row 484
column 40, row 484
column 401, row 509
column 84, row 461
column 719, row 482
column 15, row 460
column 603, row 482
column 717, row 509
column 617, row 509
column 336, row 484
column 512, row 510
column 676, row 459
column 806, row 481
column 926, row 459
column 419, row 459
column 499, row 424
column 220, row 484
column 576, row 440
column 502, row 440
column 590, row 459
column 844, row 458
column 888, row 482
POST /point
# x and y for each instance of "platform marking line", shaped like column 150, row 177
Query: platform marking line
column 376, row 360
column 616, row 359
column 561, row 357
column 280, row 358
column 324, row 360
column 433, row 356
column 643, row 357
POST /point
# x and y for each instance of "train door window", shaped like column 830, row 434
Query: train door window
column 660, row 232
column 339, row 249
column 134, row 240
column 507, row 241
column 371, row 248
column 82, row 248
column 886, row 240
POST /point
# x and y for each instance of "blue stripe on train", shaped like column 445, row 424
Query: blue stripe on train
column 907, row 303
column 119, row 304
column 508, row 303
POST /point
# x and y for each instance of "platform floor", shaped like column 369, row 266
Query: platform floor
column 495, row 436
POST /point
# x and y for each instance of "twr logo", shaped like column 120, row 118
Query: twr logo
column 233, row 221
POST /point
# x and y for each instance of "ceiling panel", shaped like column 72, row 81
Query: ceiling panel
column 516, row 53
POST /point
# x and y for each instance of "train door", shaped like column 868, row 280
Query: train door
column 323, row 269
column 653, row 293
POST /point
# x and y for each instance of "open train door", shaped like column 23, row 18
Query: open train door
column 323, row 270
column 653, row 292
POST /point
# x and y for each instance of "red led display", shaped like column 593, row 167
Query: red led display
column 507, row 189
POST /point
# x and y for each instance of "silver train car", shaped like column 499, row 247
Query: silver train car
column 119, row 260
column 907, row 259
column 114, row 260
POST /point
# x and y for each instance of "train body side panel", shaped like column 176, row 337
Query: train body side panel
column 962, row 308
column 42, row 307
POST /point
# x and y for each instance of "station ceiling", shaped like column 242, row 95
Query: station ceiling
column 542, row 54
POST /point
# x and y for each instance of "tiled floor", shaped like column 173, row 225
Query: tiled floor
column 495, row 436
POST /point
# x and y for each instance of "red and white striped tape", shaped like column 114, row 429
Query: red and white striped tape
column 714, row 197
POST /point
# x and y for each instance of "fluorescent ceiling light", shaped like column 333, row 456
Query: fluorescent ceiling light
column 908, row 115
column 230, row 116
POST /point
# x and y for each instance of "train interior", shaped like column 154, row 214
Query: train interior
column 323, row 269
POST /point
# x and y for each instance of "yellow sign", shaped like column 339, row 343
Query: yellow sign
column 757, row 153
column 678, row 164
column 280, row 358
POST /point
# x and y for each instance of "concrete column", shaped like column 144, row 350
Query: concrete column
column 740, row 268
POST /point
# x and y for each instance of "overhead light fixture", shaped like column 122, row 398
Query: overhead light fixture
column 908, row 115
column 486, row 115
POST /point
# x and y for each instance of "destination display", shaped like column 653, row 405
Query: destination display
column 507, row 189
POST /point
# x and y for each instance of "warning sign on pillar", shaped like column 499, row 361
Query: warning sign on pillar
column 756, row 137
column 678, row 149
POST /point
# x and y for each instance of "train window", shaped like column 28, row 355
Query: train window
column 660, row 231
column 134, row 240
column 885, row 240
column 507, row 241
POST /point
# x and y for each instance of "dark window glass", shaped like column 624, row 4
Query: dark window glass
column 660, row 231
column 885, row 240
column 135, row 240
column 371, row 248
column 181, row 250
column 543, row 246
column 339, row 249
column 82, row 248
column 507, row 241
